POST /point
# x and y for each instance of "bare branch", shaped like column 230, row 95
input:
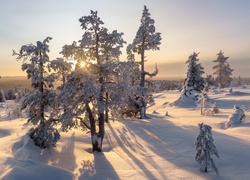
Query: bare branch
column 84, row 123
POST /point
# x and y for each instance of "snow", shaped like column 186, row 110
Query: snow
column 160, row 147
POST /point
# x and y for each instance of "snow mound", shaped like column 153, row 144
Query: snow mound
column 27, row 163
column 235, row 118
column 185, row 102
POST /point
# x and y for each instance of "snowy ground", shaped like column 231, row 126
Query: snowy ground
column 161, row 147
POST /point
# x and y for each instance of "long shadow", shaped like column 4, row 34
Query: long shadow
column 229, row 103
column 100, row 168
column 127, row 144
column 66, row 158
column 168, row 140
column 4, row 132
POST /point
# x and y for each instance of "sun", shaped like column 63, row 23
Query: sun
column 82, row 64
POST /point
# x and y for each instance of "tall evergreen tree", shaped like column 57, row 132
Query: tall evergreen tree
column 84, row 92
column 194, row 82
column 146, row 39
column 36, row 63
column 222, row 71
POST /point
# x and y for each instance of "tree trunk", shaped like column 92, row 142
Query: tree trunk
column 101, row 116
column 94, row 136
column 106, row 110
column 101, row 131
column 40, row 130
column 41, row 89
column 143, row 108
column 98, row 138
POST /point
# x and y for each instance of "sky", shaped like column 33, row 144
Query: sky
column 186, row 26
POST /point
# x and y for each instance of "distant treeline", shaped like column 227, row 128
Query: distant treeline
column 7, row 82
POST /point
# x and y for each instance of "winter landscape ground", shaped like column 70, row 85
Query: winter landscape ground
column 160, row 147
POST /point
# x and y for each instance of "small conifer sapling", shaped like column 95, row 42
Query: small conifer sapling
column 205, row 148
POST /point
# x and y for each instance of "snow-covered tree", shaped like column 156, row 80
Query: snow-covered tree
column 222, row 71
column 203, row 103
column 10, row 93
column 128, row 98
column 14, row 111
column 205, row 148
column 84, row 92
column 36, row 63
column 236, row 117
column 2, row 96
column 146, row 39
column 194, row 82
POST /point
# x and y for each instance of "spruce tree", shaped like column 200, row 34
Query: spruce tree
column 194, row 82
column 146, row 39
column 222, row 71
column 205, row 148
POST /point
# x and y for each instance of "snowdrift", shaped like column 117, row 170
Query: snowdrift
column 29, row 163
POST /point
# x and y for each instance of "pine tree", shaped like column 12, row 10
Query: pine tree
column 194, row 82
column 222, row 71
column 128, row 99
column 36, row 63
column 84, row 93
column 205, row 148
column 2, row 96
column 146, row 39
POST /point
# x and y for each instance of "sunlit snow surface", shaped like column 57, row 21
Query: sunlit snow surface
column 160, row 147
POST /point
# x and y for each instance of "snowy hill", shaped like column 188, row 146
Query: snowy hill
column 160, row 147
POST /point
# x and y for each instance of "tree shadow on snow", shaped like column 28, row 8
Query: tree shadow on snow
column 229, row 103
column 100, row 168
column 175, row 144
column 4, row 133
column 128, row 145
